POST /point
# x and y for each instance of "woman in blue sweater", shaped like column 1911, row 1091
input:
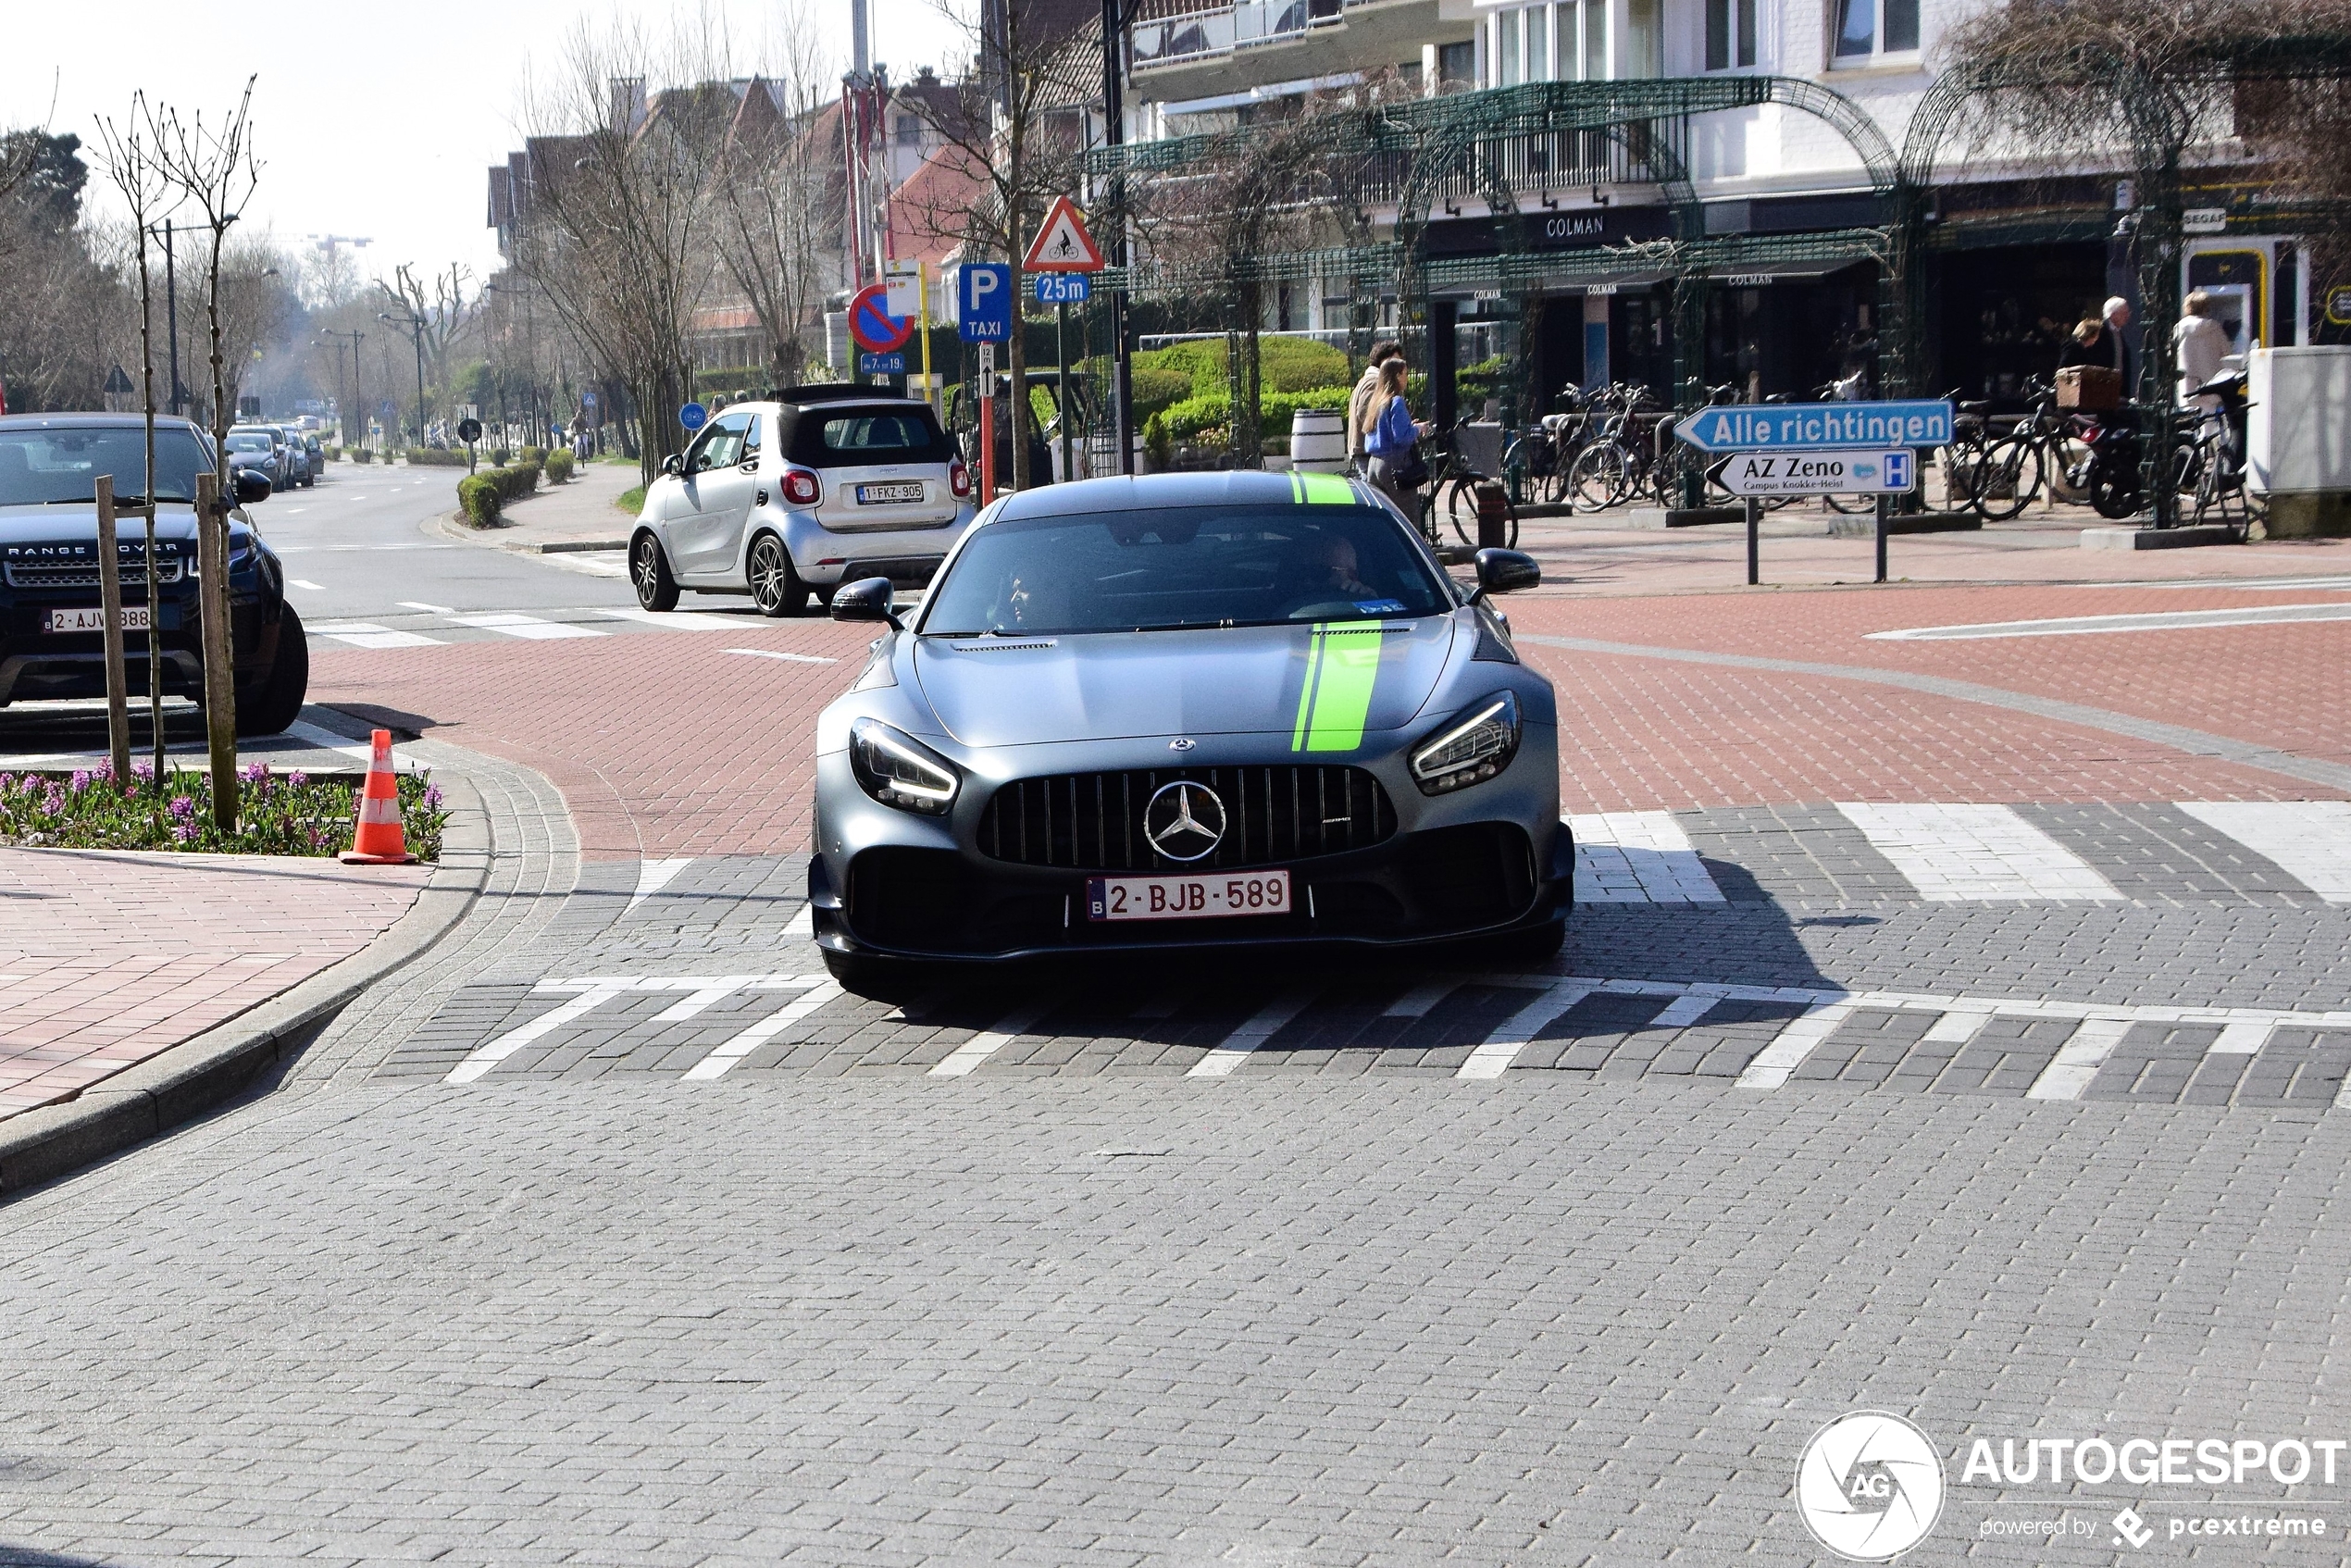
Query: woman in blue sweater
column 1389, row 434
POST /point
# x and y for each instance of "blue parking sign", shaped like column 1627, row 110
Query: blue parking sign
column 984, row 300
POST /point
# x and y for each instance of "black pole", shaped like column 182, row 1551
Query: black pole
column 1754, row 542
column 1122, row 372
column 1882, row 506
column 417, row 336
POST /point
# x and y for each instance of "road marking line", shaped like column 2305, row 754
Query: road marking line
column 367, row 634
column 2077, row 1060
column 304, row 583
column 802, row 925
column 1793, row 1044
column 2241, row 1039
column 703, row 998
column 1497, row 1051
column 965, row 1058
column 2083, row 625
column 1417, row 1002
column 302, row 730
column 530, row 626
column 716, row 1065
column 793, row 658
column 1964, row 853
column 652, row 875
column 1637, row 857
column 2310, row 840
column 506, row 1045
column 1237, row 1046
column 1684, row 1011
column 1956, row 1027
column 674, row 620
column 433, row 609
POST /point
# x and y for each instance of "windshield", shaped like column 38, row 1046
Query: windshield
column 248, row 443
column 42, row 466
column 1189, row 567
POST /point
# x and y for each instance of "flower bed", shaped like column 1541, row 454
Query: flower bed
column 281, row 813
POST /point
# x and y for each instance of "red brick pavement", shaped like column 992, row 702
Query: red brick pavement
column 107, row 959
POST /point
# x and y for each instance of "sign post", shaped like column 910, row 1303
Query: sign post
column 1817, row 449
column 1061, row 255
column 984, row 316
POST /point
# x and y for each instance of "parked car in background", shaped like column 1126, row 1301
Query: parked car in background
column 253, row 449
column 314, row 453
column 299, row 471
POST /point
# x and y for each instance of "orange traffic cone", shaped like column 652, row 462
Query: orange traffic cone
column 378, row 840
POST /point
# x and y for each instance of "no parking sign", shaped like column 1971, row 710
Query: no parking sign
column 870, row 323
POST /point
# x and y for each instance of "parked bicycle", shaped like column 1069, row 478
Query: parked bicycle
column 1452, row 496
column 2215, row 461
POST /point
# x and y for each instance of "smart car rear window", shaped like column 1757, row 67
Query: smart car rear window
column 844, row 437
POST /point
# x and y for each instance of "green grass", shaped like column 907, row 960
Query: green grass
column 631, row 501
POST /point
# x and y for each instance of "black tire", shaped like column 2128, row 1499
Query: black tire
column 1460, row 512
column 1598, row 480
column 2113, row 495
column 649, row 571
column 776, row 587
column 2013, row 465
column 269, row 708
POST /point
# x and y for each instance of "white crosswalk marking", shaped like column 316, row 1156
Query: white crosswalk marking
column 2078, row 1059
column 788, row 659
column 965, row 1058
column 1237, row 1046
column 716, row 1065
column 652, row 875
column 1793, row 1044
column 1962, row 852
column 1415, row 1003
column 1637, row 857
column 303, row 584
column 676, row 620
column 594, row 995
column 1497, row 1051
column 526, row 626
column 367, row 634
column 2310, row 840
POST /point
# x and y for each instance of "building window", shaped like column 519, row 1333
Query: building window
column 1870, row 29
column 1595, row 40
column 1538, row 45
column 1506, row 56
column 1730, row 34
column 1456, row 64
column 910, row 130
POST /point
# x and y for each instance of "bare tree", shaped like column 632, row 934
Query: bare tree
column 777, row 191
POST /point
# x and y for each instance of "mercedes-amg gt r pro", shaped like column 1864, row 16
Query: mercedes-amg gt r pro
column 1188, row 710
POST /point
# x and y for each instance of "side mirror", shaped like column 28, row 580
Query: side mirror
column 1507, row 571
column 868, row 599
column 251, row 488
column 674, row 464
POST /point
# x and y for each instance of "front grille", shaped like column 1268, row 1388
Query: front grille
column 31, row 575
column 1273, row 816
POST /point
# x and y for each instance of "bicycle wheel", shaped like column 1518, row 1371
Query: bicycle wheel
column 2114, row 495
column 2220, row 501
column 1852, row 505
column 1598, row 480
column 1459, row 502
column 2008, row 478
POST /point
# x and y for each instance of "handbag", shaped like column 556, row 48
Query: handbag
column 1413, row 472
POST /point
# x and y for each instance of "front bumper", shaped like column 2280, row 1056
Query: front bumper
column 37, row 666
column 909, row 558
column 1486, row 860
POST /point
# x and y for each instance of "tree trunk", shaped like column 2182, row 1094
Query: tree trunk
column 212, row 522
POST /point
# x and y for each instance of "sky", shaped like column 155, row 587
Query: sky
column 372, row 120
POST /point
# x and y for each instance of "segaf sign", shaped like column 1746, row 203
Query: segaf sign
column 1863, row 472
column 1745, row 426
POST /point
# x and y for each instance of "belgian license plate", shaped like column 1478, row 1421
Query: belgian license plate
column 1186, row 898
column 888, row 494
column 134, row 618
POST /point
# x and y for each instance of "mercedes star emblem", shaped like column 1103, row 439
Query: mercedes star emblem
column 1183, row 821
column 1182, row 743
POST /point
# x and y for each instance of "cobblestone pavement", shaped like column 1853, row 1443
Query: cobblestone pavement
column 1962, row 1060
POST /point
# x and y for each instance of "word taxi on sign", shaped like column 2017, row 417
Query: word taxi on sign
column 1744, row 428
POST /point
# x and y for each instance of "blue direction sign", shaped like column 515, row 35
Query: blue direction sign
column 694, row 415
column 881, row 364
column 1802, row 426
column 984, row 295
column 1062, row 288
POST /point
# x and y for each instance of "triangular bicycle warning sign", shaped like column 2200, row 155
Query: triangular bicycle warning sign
column 1063, row 244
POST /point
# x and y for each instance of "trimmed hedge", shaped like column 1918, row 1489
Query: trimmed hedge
column 1283, row 364
column 559, row 465
column 1186, row 420
column 361, row 454
column 434, row 457
column 483, row 494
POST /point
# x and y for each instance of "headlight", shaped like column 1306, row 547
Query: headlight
column 899, row 770
column 1477, row 744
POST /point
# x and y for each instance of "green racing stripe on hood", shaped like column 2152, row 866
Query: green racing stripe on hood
column 1342, row 667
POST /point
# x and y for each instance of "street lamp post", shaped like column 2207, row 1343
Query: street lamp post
column 415, row 326
column 356, row 338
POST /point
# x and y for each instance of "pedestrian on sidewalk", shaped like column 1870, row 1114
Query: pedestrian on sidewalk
column 2199, row 343
column 1391, row 438
column 1358, row 401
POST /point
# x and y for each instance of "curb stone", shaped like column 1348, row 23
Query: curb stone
column 455, row 525
column 198, row 1074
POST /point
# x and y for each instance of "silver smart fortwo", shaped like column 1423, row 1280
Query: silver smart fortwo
column 818, row 486
column 1187, row 709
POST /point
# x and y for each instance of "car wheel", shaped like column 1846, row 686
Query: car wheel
column 649, row 569
column 776, row 587
column 276, row 702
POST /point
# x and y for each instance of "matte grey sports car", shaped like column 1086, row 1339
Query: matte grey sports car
column 1188, row 710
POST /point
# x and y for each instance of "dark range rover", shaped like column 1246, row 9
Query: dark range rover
column 54, row 645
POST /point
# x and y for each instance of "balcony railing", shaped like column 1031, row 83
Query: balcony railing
column 1540, row 162
column 1204, row 31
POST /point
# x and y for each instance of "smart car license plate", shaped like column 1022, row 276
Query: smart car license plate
column 1186, row 898
column 134, row 618
column 888, row 494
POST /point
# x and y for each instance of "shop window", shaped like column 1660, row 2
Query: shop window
column 1730, row 34
column 1870, row 29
